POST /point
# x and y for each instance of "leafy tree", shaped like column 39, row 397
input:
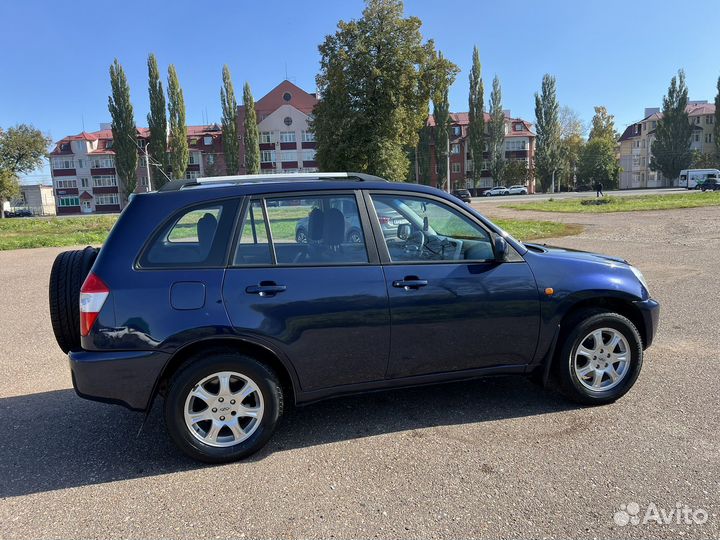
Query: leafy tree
column 123, row 130
column 9, row 189
column 445, row 75
column 157, row 123
column 517, row 172
column 671, row 147
column 476, row 117
column 496, row 134
column 572, row 141
column 599, row 163
column 178, row 143
column 231, row 143
column 603, row 125
column 716, row 125
column 423, row 155
column 373, row 100
column 252, row 137
column 547, row 156
column 702, row 160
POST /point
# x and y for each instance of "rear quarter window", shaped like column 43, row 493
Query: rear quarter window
column 193, row 237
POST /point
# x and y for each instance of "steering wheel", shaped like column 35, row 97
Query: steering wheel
column 415, row 243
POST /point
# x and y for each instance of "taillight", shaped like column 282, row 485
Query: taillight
column 93, row 294
column 384, row 220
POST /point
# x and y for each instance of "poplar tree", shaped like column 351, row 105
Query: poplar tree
column 671, row 147
column 496, row 134
column 124, row 131
column 157, row 123
column 252, row 137
column 476, row 118
column 547, row 125
column 231, row 142
column 444, row 73
column 716, row 127
column 178, row 140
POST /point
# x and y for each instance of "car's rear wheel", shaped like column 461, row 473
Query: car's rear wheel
column 66, row 278
column 600, row 358
column 222, row 406
column 354, row 236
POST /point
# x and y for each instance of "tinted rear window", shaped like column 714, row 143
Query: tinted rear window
column 194, row 237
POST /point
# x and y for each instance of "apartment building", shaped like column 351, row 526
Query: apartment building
column 286, row 143
column 635, row 145
column 84, row 175
column 519, row 145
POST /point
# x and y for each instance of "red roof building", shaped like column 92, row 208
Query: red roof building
column 519, row 146
column 84, row 175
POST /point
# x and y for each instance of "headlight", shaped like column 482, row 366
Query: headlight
column 641, row 278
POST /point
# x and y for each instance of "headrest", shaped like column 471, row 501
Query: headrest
column 315, row 225
column 334, row 234
column 206, row 226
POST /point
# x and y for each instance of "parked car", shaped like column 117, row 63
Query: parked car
column 463, row 195
column 711, row 184
column 18, row 213
column 389, row 221
column 498, row 190
column 203, row 297
column 517, row 190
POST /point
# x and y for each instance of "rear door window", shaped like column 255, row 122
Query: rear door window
column 195, row 237
column 310, row 230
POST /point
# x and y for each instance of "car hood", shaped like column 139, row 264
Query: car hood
column 574, row 254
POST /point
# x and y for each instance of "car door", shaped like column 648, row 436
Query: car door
column 452, row 306
column 321, row 301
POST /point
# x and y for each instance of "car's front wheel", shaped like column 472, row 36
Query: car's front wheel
column 600, row 357
column 222, row 406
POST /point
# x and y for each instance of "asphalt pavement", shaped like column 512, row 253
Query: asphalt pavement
column 498, row 457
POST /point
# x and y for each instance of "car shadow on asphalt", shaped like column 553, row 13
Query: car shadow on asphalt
column 55, row 440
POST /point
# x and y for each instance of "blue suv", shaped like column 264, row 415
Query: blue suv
column 203, row 295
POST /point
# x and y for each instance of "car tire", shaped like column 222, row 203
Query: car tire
column 354, row 236
column 239, row 435
column 66, row 278
column 589, row 372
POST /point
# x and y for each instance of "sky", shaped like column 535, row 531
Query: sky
column 617, row 53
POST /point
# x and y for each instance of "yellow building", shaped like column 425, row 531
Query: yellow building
column 636, row 141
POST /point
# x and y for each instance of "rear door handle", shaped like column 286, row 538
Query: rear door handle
column 265, row 288
column 409, row 283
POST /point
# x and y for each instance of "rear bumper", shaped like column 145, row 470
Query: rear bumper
column 650, row 311
column 124, row 377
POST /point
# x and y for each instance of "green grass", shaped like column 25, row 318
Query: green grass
column 20, row 233
column 535, row 230
column 624, row 204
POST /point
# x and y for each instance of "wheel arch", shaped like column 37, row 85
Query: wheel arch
column 621, row 306
column 260, row 352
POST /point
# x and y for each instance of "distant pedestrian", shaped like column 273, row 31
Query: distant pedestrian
column 599, row 188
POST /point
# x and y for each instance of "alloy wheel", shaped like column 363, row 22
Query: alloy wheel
column 224, row 409
column 602, row 359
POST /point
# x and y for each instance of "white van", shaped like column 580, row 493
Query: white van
column 692, row 178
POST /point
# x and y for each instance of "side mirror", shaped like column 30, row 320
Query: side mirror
column 500, row 247
column 403, row 231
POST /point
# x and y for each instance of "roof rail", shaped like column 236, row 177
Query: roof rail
column 212, row 181
column 289, row 177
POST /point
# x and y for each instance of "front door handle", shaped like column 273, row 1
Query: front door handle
column 265, row 288
column 410, row 283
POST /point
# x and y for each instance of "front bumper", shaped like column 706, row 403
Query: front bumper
column 124, row 377
column 650, row 311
